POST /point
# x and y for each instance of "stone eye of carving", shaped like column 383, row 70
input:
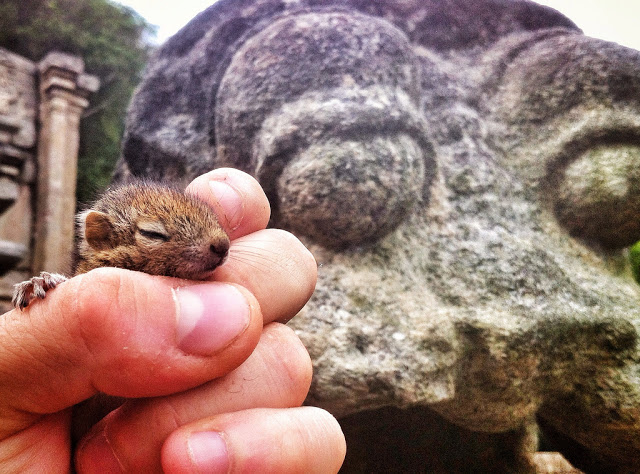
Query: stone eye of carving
column 153, row 231
column 354, row 192
column 598, row 195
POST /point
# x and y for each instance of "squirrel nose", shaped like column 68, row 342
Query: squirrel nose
column 220, row 250
column 217, row 255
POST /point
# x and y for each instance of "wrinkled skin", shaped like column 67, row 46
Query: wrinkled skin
column 466, row 173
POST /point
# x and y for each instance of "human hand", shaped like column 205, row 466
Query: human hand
column 214, row 381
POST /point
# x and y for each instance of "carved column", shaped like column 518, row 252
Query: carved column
column 64, row 89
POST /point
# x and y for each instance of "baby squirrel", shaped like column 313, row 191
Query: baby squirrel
column 142, row 226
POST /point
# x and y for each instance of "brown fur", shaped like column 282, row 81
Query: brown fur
column 152, row 229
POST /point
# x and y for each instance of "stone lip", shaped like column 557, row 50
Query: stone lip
column 455, row 272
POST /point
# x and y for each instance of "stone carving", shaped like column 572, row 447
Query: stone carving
column 466, row 173
column 55, row 111
column 18, row 112
column 18, row 102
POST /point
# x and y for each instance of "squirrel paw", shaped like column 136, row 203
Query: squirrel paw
column 36, row 287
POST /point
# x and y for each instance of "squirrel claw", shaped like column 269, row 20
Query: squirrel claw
column 36, row 287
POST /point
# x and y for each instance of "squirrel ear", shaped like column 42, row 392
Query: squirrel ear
column 97, row 230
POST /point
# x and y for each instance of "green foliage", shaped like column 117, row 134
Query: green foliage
column 634, row 258
column 110, row 39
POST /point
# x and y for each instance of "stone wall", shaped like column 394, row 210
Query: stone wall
column 40, row 109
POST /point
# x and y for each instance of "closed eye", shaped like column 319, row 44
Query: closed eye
column 152, row 234
column 152, row 230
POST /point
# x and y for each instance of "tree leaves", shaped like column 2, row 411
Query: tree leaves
column 110, row 39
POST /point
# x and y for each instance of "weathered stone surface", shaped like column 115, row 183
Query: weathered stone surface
column 18, row 112
column 466, row 173
column 18, row 100
column 16, row 223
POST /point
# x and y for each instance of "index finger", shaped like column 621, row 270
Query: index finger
column 237, row 198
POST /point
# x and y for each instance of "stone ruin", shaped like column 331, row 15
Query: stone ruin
column 467, row 174
column 40, row 109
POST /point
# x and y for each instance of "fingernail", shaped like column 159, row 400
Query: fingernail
column 95, row 455
column 208, row 452
column 210, row 316
column 230, row 200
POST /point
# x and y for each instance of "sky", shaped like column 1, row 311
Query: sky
column 612, row 20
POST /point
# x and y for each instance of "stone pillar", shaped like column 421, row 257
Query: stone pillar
column 64, row 89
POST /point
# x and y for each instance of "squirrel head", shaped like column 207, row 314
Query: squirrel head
column 154, row 229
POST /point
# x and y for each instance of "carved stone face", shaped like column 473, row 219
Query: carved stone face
column 467, row 174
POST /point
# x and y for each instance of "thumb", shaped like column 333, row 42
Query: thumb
column 123, row 333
